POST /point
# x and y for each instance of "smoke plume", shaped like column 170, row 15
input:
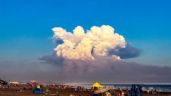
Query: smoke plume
column 81, row 45
column 99, row 54
column 87, row 56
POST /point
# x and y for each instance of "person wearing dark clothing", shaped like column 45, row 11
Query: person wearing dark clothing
column 136, row 90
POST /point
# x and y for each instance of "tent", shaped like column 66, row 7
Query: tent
column 97, row 85
column 100, row 89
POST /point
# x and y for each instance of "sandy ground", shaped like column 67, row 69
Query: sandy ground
column 64, row 92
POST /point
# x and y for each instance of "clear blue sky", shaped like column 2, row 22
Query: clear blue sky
column 25, row 25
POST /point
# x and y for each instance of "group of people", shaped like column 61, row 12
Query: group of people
column 99, row 90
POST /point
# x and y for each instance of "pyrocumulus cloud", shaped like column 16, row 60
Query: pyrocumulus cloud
column 99, row 54
column 85, row 45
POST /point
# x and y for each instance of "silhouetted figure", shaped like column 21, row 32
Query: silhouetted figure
column 136, row 90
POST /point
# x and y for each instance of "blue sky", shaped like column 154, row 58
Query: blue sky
column 25, row 25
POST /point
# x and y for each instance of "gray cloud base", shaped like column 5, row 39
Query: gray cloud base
column 104, row 69
column 125, row 53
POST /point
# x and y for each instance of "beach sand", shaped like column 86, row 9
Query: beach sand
column 66, row 92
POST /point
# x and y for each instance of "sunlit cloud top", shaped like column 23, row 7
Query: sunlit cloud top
column 87, row 44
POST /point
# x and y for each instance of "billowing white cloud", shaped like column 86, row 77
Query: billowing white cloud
column 85, row 45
